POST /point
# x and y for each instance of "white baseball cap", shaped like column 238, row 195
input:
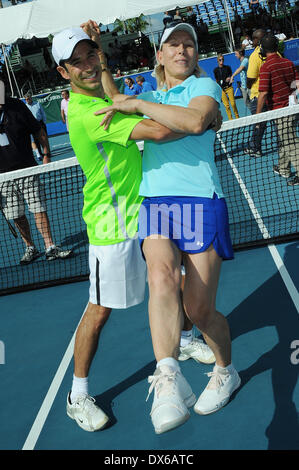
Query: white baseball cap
column 65, row 42
column 178, row 27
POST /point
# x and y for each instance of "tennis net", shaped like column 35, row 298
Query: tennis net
column 263, row 207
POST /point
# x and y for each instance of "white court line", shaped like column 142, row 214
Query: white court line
column 266, row 235
column 42, row 415
column 60, row 145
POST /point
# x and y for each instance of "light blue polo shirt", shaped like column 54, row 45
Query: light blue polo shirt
column 184, row 167
column 243, row 73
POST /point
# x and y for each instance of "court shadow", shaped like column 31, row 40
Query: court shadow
column 105, row 400
column 76, row 241
column 276, row 309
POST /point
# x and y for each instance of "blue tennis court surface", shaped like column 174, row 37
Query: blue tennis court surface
column 37, row 327
column 258, row 295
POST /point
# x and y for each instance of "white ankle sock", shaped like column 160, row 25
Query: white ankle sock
column 186, row 337
column 230, row 368
column 79, row 387
column 50, row 247
column 169, row 361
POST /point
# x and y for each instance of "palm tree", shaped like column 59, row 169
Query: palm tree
column 132, row 25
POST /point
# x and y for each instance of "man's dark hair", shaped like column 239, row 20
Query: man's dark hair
column 62, row 63
column 269, row 43
column 258, row 34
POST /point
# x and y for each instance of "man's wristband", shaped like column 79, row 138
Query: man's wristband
column 105, row 66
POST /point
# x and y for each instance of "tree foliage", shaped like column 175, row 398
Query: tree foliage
column 132, row 25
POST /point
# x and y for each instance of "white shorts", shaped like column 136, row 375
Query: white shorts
column 117, row 274
column 13, row 195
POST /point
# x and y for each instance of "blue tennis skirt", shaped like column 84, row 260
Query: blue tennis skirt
column 192, row 223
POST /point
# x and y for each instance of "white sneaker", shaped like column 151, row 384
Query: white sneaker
column 218, row 391
column 86, row 413
column 197, row 350
column 173, row 396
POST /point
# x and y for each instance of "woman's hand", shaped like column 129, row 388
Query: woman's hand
column 125, row 106
column 217, row 123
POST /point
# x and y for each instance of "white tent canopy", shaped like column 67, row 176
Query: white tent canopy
column 40, row 18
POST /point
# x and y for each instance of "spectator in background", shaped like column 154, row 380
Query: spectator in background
column 40, row 115
column 254, row 5
column 167, row 18
column 143, row 60
column 253, row 73
column 281, row 38
column 271, row 6
column 17, row 125
column 118, row 73
column 247, row 43
column 145, row 86
column 279, row 35
column 237, row 33
column 278, row 80
column 223, row 75
column 65, row 94
column 191, row 16
column 177, row 16
column 242, row 70
column 131, row 88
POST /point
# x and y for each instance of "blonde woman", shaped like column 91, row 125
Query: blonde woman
column 183, row 218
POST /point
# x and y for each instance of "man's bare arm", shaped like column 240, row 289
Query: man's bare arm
column 262, row 98
column 151, row 130
column 41, row 136
column 92, row 29
column 194, row 119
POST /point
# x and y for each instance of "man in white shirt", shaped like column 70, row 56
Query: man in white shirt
column 65, row 94
column 247, row 43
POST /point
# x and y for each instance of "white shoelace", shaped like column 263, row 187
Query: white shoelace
column 216, row 381
column 199, row 342
column 166, row 383
column 87, row 403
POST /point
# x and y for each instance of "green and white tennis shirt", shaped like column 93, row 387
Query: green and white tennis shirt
column 112, row 166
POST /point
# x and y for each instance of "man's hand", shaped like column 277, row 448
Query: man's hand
column 91, row 28
column 122, row 104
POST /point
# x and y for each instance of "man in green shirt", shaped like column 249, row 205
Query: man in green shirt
column 111, row 162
